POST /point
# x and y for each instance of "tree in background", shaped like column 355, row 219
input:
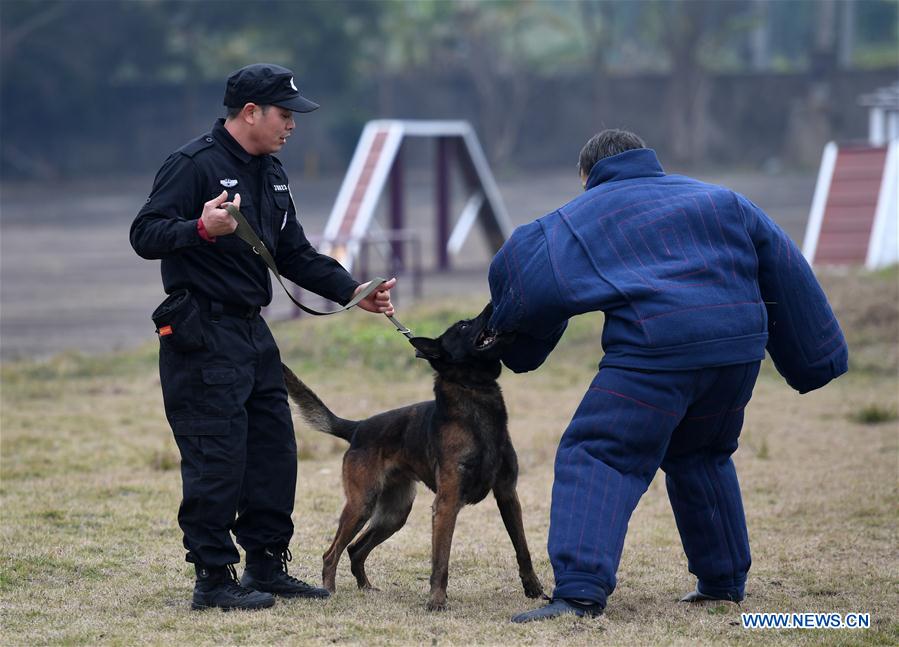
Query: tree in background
column 690, row 31
column 498, row 47
column 59, row 60
column 55, row 60
column 73, row 72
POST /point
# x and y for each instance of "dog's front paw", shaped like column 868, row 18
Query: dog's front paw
column 532, row 586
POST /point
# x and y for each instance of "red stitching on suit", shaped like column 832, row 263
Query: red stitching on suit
column 580, row 542
column 560, row 276
column 624, row 297
column 829, row 339
column 715, row 415
column 733, row 263
column 602, row 507
column 635, row 400
column 717, row 305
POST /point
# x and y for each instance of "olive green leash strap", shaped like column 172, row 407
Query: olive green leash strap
column 400, row 328
column 245, row 232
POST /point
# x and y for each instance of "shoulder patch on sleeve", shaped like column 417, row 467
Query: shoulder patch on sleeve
column 194, row 146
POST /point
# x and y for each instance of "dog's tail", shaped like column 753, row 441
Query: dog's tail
column 314, row 410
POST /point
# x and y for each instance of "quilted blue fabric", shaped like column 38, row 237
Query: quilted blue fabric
column 689, row 275
column 695, row 281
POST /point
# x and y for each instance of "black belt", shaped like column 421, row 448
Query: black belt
column 218, row 308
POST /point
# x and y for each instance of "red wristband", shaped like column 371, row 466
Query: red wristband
column 201, row 229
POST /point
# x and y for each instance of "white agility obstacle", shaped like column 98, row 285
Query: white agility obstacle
column 377, row 161
column 854, row 217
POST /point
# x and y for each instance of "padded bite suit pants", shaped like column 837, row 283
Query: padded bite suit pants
column 628, row 425
column 227, row 406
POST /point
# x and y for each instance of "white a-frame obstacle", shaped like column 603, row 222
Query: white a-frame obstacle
column 854, row 218
column 377, row 162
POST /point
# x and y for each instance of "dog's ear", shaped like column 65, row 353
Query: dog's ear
column 426, row 348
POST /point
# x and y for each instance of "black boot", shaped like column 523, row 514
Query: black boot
column 560, row 607
column 699, row 596
column 217, row 586
column 267, row 571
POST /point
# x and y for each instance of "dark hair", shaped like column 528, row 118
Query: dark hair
column 231, row 112
column 606, row 144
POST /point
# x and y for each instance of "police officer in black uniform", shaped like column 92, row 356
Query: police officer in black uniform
column 219, row 366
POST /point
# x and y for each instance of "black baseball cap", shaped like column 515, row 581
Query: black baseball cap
column 265, row 84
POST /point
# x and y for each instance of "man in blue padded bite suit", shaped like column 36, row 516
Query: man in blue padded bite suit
column 695, row 282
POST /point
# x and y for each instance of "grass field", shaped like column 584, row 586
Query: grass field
column 90, row 489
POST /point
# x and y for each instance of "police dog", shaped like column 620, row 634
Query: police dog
column 457, row 444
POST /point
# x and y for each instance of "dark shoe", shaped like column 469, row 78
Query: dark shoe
column 218, row 587
column 559, row 607
column 267, row 571
column 697, row 596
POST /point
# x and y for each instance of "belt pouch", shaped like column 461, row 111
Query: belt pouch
column 178, row 322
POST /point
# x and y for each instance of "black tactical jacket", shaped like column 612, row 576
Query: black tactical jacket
column 227, row 270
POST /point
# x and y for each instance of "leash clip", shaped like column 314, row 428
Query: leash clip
column 400, row 328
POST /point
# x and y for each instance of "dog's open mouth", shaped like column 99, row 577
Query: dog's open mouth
column 485, row 339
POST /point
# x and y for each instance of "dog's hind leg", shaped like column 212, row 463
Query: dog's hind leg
column 390, row 515
column 359, row 504
column 510, row 510
column 352, row 519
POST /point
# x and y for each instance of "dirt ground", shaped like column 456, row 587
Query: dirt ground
column 69, row 279
column 89, row 483
column 90, row 489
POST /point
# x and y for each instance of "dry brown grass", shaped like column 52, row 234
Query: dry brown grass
column 90, row 489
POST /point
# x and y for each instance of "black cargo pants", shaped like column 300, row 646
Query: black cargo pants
column 227, row 405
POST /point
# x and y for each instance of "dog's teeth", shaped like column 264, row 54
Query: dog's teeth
column 486, row 340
